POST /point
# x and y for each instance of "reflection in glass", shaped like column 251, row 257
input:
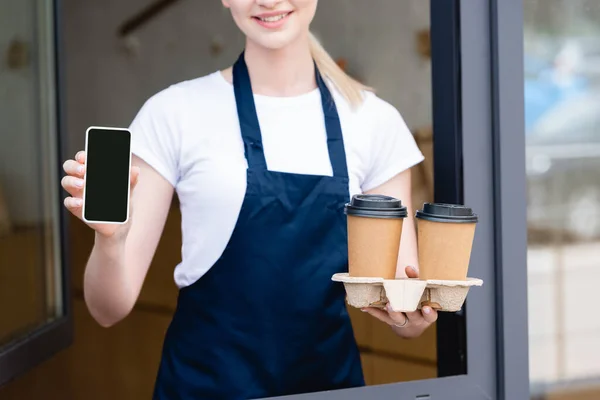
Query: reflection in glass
column 562, row 108
column 29, row 268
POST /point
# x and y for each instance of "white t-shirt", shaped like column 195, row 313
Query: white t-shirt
column 189, row 132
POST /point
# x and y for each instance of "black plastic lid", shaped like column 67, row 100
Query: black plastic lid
column 440, row 212
column 375, row 206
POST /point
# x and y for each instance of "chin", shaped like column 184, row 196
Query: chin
column 273, row 42
column 276, row 40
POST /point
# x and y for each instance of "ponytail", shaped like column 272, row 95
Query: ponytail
column 351, row 89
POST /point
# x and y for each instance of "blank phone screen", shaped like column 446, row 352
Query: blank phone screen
column 107, row 175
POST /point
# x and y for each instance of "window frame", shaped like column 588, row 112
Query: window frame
column 24, row 353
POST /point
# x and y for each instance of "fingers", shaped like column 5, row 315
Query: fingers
column 411, row 272
column 74, row 168
column 75, row 171
column 400, row 318
column 74, row 205
column 415, row 318
column 389, row 317
column 429, row 314
column 381, row 315
column 426, row 316
column 408, row 325
column 73, row 182
column 73, row 185
column 80, row 157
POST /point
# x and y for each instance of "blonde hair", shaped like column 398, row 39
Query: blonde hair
column 351, row 89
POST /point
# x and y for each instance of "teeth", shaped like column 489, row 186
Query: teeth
column 273, row 18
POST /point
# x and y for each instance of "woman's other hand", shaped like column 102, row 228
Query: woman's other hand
column 407, row 325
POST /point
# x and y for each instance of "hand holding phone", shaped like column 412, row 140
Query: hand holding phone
column 100, row 180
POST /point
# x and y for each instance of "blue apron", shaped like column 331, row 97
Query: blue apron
column 266, row 319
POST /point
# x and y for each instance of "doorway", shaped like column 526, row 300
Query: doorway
column 444, row 65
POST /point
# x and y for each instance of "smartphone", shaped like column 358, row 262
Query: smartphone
column 107, row 175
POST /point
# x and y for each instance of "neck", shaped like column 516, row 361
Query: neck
column 284, row 72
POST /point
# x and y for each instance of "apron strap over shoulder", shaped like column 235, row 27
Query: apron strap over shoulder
column 250, row 127
column 246, row 109
column 335, row 139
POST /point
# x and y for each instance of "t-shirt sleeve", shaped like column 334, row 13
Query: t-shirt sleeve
column 154, row 138
column 394, row 148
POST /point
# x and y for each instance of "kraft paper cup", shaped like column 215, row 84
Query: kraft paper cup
column 374, row 231
column 445, row 234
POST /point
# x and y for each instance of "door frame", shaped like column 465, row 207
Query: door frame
column 510, row 198
column 34, row 347
column 479, row 160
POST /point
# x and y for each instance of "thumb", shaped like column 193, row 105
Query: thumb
column 411, row 272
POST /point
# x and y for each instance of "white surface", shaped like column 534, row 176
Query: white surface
column 404, row 294
column 345, row 277
column 467, row 282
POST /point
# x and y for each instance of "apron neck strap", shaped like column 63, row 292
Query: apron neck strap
column 250, row 126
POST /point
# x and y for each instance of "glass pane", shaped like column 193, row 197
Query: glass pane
column 562, row 100
column 29, row 268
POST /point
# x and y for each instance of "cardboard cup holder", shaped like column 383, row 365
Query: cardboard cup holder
column 406, row 294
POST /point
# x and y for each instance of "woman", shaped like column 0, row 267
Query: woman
column 263, row 156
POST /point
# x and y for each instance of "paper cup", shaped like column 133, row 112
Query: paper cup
column 445, row 234
column 374, row 232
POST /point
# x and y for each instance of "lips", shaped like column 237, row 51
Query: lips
column 273, row 18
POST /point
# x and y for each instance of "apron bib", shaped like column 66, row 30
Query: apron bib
column 266, row 319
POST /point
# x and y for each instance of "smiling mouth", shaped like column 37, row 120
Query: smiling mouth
column 273, row 18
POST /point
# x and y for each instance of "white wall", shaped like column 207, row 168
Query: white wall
column 107, row 84
column 379, row 40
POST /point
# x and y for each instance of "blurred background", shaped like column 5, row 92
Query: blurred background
column 119, row 53
column 562, row 118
